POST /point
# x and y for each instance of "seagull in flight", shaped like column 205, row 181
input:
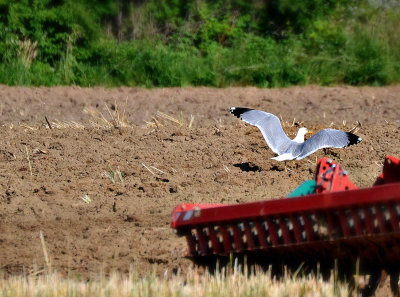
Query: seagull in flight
column 296, row 148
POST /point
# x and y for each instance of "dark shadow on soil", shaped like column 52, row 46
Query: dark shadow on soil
column 247, row 166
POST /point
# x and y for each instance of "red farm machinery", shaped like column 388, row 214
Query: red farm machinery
column 326, row 220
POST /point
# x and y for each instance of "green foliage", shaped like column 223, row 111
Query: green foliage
column 264, row 62
column 198, row 42
column 369, row 62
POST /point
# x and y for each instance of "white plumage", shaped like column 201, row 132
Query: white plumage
column 283, row 146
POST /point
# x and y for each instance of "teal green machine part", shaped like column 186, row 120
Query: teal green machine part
column 306, row 188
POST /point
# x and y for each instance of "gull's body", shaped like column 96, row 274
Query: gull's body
column 297, row 148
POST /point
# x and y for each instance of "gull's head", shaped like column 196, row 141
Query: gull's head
column 300, row 135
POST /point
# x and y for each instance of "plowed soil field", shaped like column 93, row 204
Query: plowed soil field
column 59, row 180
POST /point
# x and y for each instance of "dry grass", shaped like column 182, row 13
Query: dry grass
column 227, row 283
column 29, row 160
column 27, row 52
column 66, row 125
column 162, row 119
column 116, row 117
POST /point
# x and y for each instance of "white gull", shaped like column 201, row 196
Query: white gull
column 286, row 148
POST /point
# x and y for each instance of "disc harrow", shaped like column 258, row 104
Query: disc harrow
column 336, row 220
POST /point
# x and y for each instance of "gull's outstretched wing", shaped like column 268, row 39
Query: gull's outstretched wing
column 269, row 125
column 328, row 138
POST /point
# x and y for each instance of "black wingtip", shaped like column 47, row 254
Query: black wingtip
column 353, row 139
column 238, row 111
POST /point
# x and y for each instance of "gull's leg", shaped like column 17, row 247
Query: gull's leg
column 284, row 158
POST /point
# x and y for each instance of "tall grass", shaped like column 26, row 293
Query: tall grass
column 222, row 284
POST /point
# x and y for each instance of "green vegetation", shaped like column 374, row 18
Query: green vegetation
column 114, row 176
column 203, row 42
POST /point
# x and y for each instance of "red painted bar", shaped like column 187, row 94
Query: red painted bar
column 315, row 202
column 296, row 228
column 357, row 223
column 331, row 225
column 273, row 234
column 393, row 218
column 191, row 243
column 344, row 223
column 214, row 240
column 308, row 227
column 381, row 220
column 237, row 237
column 202, row 241
column 225, row 239
column 369, row 222
column 285, row 231
column 262, row 237
column 249, row 236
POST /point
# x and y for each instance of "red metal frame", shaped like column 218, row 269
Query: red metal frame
column 331, row 177
column 315, row 202
column 339, row 211
column 390, row 172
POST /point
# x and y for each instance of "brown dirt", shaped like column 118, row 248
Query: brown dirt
column 129, row 223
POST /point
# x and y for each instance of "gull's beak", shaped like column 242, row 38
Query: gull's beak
column 309, row 132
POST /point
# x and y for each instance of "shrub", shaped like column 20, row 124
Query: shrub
column 215, row 43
